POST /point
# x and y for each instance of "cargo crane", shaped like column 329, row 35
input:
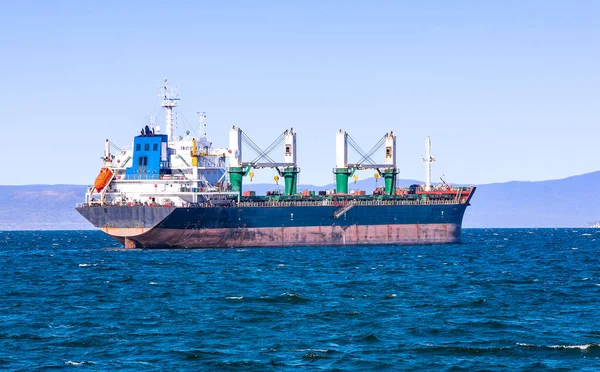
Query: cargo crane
column 343, row 169
column 288, row 169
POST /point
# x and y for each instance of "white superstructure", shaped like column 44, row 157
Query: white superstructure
column 162, row 168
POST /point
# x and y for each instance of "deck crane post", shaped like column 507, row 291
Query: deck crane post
column 428, row 160
column 341, row 170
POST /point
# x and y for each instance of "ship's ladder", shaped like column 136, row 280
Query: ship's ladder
column 343, row 209
column 183, row 160
column 125, row 162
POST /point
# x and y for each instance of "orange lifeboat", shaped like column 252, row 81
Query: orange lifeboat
column 103, row 179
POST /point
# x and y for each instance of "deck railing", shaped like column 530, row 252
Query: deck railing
column 286, row 203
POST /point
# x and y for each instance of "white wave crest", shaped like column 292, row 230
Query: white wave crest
column 580, row 347
column 313, row 350
column 71, row 363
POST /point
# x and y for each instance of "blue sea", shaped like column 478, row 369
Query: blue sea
column 504, row 299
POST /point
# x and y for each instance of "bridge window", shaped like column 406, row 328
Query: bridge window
column 155, row 147
column 143, row 164
column 146, row 146
column 138, row 147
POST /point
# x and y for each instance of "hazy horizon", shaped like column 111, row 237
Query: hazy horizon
column 247, row 181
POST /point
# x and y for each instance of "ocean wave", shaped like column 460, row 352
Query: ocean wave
column 27, row 336
column 312, row 355
column 593, row 346
column 293, row 297
column 455, row 349
column 72, row 363
column 589, row 346
column 494, row 324
column 244, row 365
column 285, row 297
column 315, row 350
column 371, row 337
column 67, row 326
column 192, row 354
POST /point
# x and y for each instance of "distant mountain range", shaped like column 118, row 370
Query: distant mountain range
column 569, row 202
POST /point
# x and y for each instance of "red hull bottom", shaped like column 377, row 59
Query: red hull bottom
column 291, row 236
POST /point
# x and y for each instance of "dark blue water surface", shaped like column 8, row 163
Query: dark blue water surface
column 501, row 300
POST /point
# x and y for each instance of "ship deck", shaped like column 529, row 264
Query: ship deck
column 290, row 203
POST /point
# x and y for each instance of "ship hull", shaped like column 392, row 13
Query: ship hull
column 296, row 236
column 277, row 226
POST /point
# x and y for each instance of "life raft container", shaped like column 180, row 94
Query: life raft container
column 102, row 179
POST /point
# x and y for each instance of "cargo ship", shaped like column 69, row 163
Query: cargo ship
column 168, row 191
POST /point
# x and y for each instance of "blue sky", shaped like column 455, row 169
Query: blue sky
column 507, row 90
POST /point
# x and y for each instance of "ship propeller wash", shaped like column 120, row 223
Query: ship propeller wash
column 181, row 192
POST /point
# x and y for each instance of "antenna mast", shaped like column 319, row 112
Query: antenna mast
column 202, row 116
column 153, row 122
column 428, row 160
column 169, row 102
